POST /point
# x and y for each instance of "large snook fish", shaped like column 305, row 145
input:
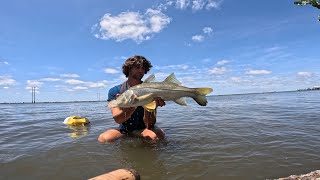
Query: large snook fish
column 169, row 90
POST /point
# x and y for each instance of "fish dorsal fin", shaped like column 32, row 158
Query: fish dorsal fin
column 150, row 106
column 172, row 78
column 182, row 101
column 149, row 79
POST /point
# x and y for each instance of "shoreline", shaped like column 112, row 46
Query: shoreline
column 86, row 101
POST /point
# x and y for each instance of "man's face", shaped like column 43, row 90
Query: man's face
column 137, row 72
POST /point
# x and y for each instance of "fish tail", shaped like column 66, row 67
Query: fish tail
column 203, row 91
column 201, row 100
column 200, row 96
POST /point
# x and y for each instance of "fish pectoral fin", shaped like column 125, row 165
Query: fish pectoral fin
column 144, row 97
column 150, row 106
column 182, row 101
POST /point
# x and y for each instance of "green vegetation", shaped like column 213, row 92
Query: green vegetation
column 310, row 89
column 314, row 3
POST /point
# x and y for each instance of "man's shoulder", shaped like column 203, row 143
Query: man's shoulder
column 115, row 89
column 113, row 92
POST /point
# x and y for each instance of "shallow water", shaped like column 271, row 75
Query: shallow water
column 252, row 136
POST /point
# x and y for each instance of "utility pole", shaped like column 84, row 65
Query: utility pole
column 33, row 92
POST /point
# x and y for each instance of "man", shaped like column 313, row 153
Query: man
column 133, row 121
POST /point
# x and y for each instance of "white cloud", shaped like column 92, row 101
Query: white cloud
column 80, row 88
column 6, row 81
column 258, row 72
column 213, row 4
column 207, row 30
column 34, row 83
column 36, row 90
column 165, row 5
column 179, row 66
column 101, row 84
column 221, row 70
column 239, row 80
column 157, row 20
column 4, row 62
column 131, row 25
column 274, row 49
column 222, row 62
column 197, row 38
column 198, row 4
column 305, row 74
column 74, row 81
column 160, row 76
column 70, row 75
column 50, row 79
column 111, row 71
column 182, row 4
column 6, row 87
column 236, row 79
column 122, row 77
column 184, row 67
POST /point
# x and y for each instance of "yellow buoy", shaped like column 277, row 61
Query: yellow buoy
column 76, row 120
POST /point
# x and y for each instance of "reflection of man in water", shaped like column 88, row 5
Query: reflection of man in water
column 133, row 121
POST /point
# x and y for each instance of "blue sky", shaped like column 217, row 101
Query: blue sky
column 73, row 50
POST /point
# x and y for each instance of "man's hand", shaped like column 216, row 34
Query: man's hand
column 159, row 101
column 120, row 114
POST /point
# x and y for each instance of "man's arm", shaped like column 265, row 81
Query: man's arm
column 121, row 115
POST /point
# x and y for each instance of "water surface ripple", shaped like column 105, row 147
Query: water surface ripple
column 252, row 136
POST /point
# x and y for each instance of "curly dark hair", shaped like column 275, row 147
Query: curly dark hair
column 135, row 61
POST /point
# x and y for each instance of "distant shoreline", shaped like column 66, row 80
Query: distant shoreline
column 255, row 93
column 309, row 89
column 50, row 102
